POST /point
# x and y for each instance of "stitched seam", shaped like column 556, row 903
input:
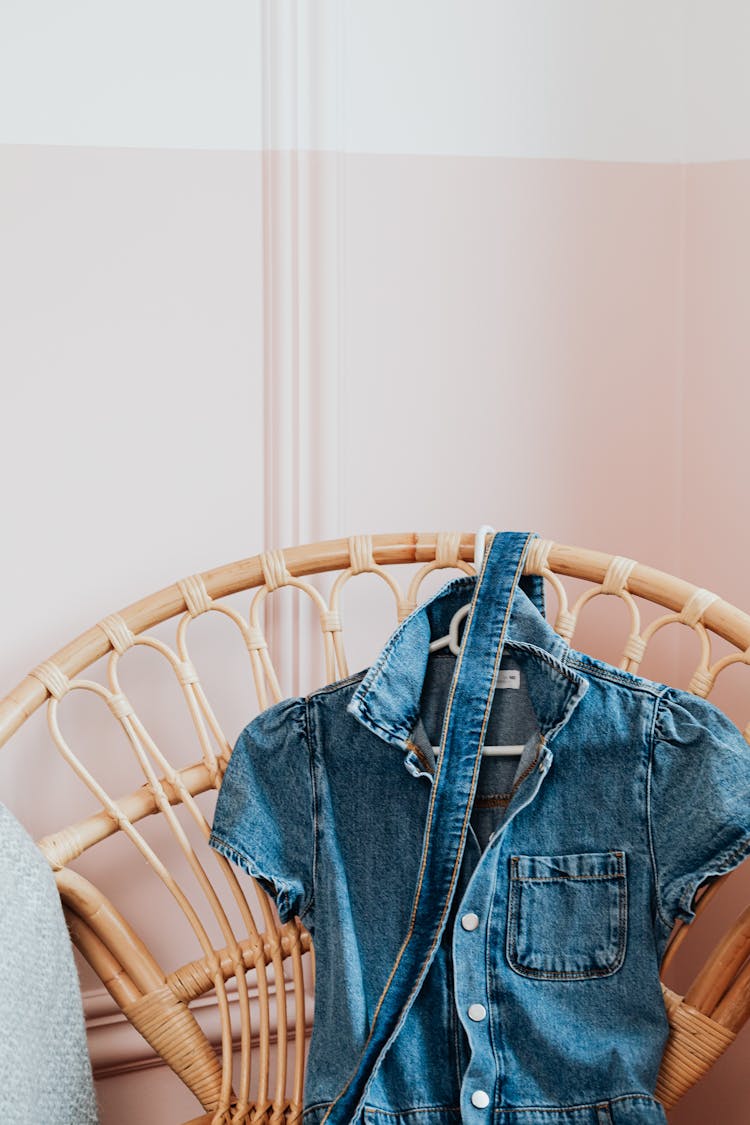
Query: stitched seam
column 564, row 878
column 725, row 857
column 247, row 864
column 510, row 922
column 457, row 673
column 649, row 824
column 453, row 1018
column 558, row 1111
column 556, row 662
column 314, row 794
column 617, row 873
column 337, row 686
column 540, row 742
column 413, row 1109
column 314, row 1106
column 625, row 1097
column 505, row 1109
column 511, row 931
column 579, row 1105
column 490, row 977
column 605, row 674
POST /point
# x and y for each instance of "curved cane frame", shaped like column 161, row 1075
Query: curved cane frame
column 703, row 1022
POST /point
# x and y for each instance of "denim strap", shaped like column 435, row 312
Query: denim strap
column 464, row 729
column 533, row 586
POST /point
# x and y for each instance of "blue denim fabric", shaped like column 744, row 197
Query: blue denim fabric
column 488, row 931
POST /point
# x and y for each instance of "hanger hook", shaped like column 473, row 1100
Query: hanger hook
column 479, row 545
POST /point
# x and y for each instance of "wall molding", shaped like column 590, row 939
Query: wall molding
column 303, row 211
column 303, row 266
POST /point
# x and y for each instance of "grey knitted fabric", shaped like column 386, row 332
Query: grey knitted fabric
column 45, row 1069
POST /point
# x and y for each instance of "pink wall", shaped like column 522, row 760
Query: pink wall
column 587, row 380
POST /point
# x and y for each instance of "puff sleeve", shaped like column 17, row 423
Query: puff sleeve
column 264, row 820
column 699, row 799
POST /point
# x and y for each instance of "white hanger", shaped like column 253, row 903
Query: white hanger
column 451, row 639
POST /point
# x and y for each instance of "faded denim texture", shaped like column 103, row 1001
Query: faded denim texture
column 488, row 931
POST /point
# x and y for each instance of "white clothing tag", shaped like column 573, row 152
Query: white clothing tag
column 507, row 678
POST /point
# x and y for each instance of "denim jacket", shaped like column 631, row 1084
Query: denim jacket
column 488, row 930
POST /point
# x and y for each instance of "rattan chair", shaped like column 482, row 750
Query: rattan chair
column 267, row 1085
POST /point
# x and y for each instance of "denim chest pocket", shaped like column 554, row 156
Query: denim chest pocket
column 567, row 915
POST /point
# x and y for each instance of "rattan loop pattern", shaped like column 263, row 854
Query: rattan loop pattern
column 634, row 648
column 618, row 572
column 119, row 705
column 537, row 555
column 255, row 638
column 701, row 683
column 197, row 597
column 53, row 678
column 566, row 624
column 447, row 548
column 360, row 553
column 186, row 671
column 274, row 568
column 696, row 605
column 330, row 621
column 117, row 632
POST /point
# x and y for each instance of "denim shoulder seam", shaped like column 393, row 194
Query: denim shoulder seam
column 595, row 668
column 649, row 822
column 314, row 796
column 337, row 685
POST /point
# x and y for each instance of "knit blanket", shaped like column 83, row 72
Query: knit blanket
column 45, row 1069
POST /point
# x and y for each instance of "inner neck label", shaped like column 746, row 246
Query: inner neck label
column 508, row 678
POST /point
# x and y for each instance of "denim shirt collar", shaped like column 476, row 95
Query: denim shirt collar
column 387, row 699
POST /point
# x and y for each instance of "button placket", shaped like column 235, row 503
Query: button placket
column 470, row 986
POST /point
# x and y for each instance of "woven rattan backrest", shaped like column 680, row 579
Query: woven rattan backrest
column 217, row 899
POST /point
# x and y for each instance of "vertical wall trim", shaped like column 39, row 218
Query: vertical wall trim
column 303, row 189
column 278, row 68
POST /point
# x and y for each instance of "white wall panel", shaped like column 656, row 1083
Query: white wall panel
column 617, row 81
column 717, row 80
column 147, row 73
column 580, row 79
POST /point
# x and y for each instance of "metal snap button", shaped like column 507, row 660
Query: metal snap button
column 477, row 1012
column 470, row 921
column 480, row 1098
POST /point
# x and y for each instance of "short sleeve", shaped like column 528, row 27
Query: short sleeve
column 699, row 799
column 264, row 820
